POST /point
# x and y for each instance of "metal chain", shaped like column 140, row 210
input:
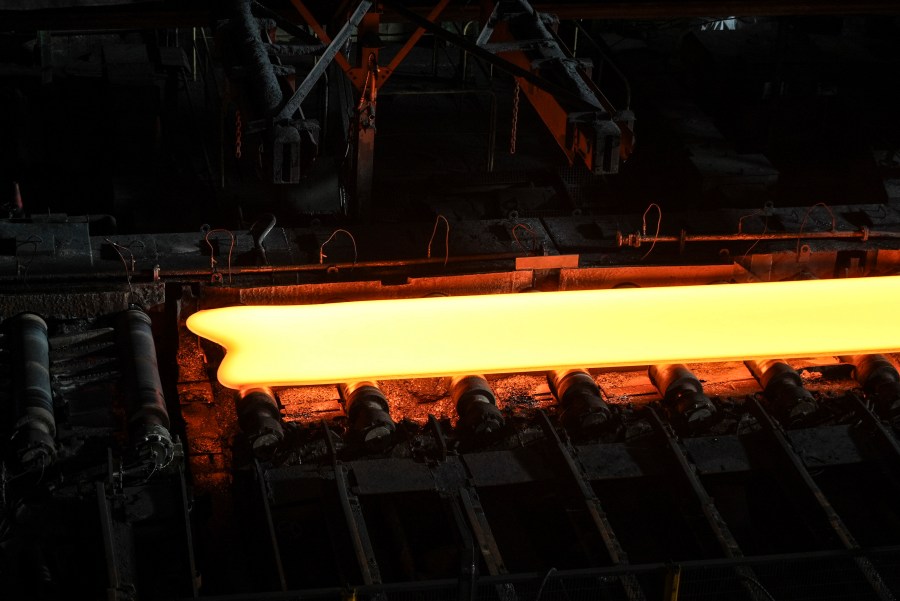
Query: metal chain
column 238, row 126
column 515, row 120
column 365, row 88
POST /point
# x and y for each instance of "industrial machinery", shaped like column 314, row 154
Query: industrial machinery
column 576, row 300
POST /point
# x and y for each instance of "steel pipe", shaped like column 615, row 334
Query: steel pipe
column 783, row 388
column 148, row 417
column 682, row 393
column 368, row 414
column 34, row 428
column 260, row 419
column 584, row 411
column 863, row 235
column 476, row 405
column 880, row 381
column 205, row 273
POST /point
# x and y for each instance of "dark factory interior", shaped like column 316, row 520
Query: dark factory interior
column 717, row 183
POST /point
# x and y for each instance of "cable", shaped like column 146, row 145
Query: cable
column 119, row 248
column 34, row 240
column 540, row 590
column 806, row 216
column 437, row 220
column 658, row 224
column 212, row 251
column 259, row 235
column 765, row 229
column 322, row 254
column 534, row 236
column 758, row 585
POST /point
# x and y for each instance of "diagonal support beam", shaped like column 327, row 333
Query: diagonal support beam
column 317, row 28
column 488, row 30
column 574, row 473
column 717, row 524
column 353, row 516
column 412, row 41
column 331, row 53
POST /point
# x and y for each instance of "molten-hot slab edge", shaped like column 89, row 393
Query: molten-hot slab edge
column 434, row 337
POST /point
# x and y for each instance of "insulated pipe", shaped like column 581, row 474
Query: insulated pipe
column 584, row 410
column 682, row 393
column 368, row 413
column 880, row 381
column 784, row 389
column 148, row 417
column 34, row 427
column 262, row 83
column 476, row 405
column 260, row 419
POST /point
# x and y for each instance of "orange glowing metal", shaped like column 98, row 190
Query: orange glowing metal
column 432, row 337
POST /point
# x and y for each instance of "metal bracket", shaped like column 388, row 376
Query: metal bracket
column 582, row 120
column 287, row 146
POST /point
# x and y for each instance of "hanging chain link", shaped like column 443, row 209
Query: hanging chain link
column 366, row 108
column 515, row 120
column 238, row 127
column 365, row 89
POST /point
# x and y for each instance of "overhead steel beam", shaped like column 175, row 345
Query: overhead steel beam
column 197, row 14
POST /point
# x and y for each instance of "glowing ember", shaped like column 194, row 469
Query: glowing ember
column 434, row 337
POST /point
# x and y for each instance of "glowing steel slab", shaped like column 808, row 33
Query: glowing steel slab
column 432, row 337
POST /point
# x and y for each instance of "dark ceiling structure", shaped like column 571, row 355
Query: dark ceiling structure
column 159, row 159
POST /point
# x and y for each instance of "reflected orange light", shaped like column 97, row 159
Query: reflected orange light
column 434, row 337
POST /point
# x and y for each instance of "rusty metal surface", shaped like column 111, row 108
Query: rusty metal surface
column 488, row 283
column 79, row 304
column 548, row 262
column 593, row 278
column 63, row 252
